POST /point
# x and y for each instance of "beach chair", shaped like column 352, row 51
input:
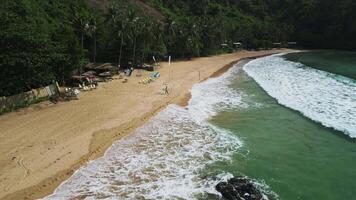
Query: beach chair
column 155, row 75
column 143, row 81
column 85, row 88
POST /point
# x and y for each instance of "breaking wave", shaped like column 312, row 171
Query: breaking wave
column 321, row 96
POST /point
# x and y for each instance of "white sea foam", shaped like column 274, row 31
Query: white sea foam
column 321, row 96
column 214, row 95
column 164, row 158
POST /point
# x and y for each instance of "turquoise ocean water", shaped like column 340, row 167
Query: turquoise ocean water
column 297, row 157
column 286, row 121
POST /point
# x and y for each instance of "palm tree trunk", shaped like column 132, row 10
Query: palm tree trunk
column 94, row 56
column 143, row 53
column 82, row 41
column 120, row 54
column 134, row 53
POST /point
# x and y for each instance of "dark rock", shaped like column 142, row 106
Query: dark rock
column 239, row 188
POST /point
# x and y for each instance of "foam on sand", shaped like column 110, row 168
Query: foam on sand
column 321, row 96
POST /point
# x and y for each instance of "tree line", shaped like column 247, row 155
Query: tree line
column 43, row 41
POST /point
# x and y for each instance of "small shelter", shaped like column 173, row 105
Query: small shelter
column 277, row 44
column 292, row 44
column 100, row 68
column 237, row 45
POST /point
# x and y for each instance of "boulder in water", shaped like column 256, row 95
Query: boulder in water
column 239, row 188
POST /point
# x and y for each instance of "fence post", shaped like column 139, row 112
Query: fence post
column 58, row 89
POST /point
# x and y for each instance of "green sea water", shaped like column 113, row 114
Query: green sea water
column 296, row 157
column 337, row 62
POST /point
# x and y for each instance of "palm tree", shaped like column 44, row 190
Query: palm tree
column 195, row 38
column 123, row 25
column 191, row 35
column 118, row 19
column 171, row 28
column 92, row 27
column 147, row 36
column 80, row 22
column 134, row 26
column 94, row 22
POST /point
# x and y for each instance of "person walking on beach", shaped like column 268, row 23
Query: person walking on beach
column 166, row 89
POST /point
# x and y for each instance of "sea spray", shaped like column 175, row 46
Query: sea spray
column 215, row 95
column 321, row 96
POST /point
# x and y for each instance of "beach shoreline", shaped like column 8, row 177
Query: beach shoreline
column 185, row 100
column 54, row 154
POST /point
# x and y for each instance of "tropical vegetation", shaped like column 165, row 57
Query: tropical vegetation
column 44, row 41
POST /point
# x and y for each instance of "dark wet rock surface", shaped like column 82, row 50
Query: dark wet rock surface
column 239, row 188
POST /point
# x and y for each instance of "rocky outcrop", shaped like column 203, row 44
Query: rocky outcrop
column 239, row 188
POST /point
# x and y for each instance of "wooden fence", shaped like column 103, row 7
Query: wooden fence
column 24, row 99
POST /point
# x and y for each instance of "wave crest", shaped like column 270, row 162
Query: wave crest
column 321, row 96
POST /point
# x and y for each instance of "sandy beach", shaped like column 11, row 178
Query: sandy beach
column 41, row 146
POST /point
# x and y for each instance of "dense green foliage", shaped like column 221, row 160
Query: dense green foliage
column 37, row 43
column 43, row 41
column 201, row 26
column 315, row 23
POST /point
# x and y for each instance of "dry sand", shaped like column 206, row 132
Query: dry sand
column 43, row 145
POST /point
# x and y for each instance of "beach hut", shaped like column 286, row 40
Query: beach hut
column 237, row 45
column 277, row 44
column 100, row 68
column 89, row 73
column 292, row 44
